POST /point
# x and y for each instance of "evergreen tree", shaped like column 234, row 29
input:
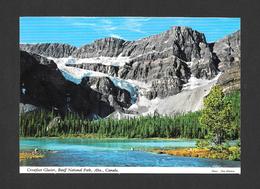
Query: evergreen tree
column 217, row 116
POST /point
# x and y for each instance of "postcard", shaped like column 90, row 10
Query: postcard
column 129, row 95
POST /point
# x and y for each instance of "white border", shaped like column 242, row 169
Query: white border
column 129, row 170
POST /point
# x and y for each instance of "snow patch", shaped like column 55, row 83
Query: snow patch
column 114, row 61
column 23, row 91
column 190, row 64
column 23, row 108
column 120, row 115
column 195, row 82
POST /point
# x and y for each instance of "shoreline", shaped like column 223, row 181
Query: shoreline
column 201, row 153
column 107, row 138
column 25, row 155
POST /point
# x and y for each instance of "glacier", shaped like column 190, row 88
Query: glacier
column 75, row 75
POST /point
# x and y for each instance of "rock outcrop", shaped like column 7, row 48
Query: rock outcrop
column 55, row 50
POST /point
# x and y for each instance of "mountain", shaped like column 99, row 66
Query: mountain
column 167, row 73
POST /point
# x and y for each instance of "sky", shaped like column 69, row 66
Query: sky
column 79, row 31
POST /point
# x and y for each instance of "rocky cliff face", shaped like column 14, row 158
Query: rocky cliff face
column 55, row 50
column 228, row 53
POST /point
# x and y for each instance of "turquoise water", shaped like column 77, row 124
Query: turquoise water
column 113, row 152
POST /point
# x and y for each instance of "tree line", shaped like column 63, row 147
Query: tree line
column 39, row 124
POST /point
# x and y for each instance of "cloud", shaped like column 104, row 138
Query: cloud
column 106, row 21
column 108, row 25
column 103, row 25
column 135, row 24
column 109, row 28
column 116, row 36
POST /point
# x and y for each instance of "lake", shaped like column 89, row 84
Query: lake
column 113, row 153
